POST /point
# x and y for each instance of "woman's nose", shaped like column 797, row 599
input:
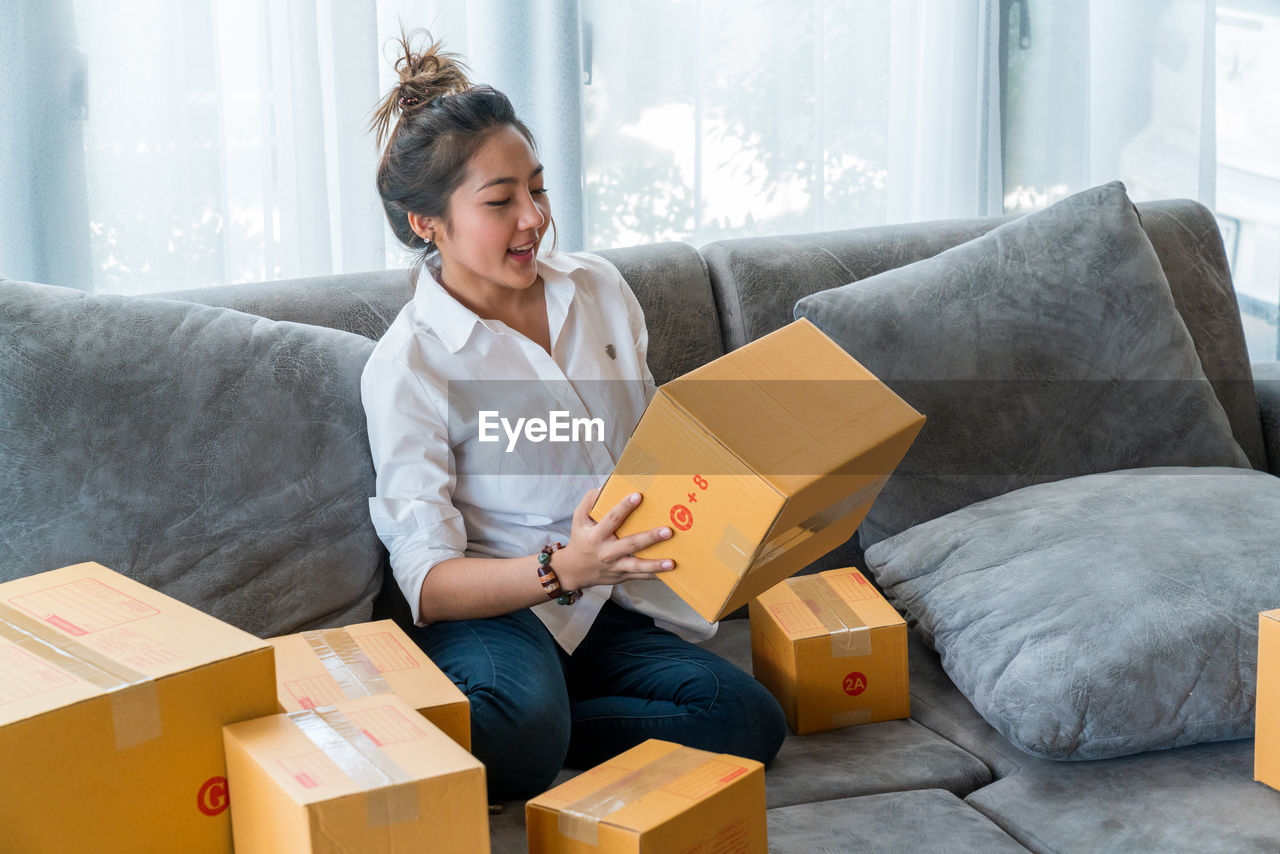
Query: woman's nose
column 531, row 216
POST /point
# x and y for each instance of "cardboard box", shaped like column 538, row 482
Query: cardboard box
column 761, row 462
column 369, row 775
column 658, row 796
column 832, row 650
column 112, row 701
column 323, row 667
column 1266, row 743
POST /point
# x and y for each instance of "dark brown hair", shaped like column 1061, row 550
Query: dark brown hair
column 440, row 119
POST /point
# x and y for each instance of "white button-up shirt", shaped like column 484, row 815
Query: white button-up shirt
column 454, row 481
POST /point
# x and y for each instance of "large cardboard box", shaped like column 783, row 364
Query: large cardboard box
column 761, row 462
column 323, row 667
column 112, row 701
column 832, row 650
column 1266, row 742
column 369, row 775
column 658, row 796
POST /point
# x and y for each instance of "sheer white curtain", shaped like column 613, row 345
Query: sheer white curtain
column 1107, row 90
column 724, row 118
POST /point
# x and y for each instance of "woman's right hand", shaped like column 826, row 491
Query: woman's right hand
column 596, row 555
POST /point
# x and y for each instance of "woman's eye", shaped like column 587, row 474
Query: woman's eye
column 497, row 204
column 541, row 191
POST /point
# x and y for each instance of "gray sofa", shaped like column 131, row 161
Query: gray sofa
column 943, row 780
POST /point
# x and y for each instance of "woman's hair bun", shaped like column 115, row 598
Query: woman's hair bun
column 424, row 76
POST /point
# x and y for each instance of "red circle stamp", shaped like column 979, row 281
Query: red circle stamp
column 212, row 798
column 855, row 683
column 681, row 517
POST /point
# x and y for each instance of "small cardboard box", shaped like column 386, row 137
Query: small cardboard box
column 369, row 775
column 657, row 796
column 323, row 667
column 761, row 462
column 112, row 701
column 1266, row 742
column 832, row 650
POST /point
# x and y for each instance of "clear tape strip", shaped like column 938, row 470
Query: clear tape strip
column 347, row 663
column 391, row 794
column 134, row 698
column 849, row 634
column 854, row 717
column 818, row 521
column 580, row 820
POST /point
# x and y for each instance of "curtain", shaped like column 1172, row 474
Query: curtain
column 226, row 141
column 44, row 219
column 767, row 117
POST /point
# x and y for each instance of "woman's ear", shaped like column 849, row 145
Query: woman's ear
column 423, row 226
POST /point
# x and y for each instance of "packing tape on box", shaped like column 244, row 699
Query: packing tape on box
column 855, row 717
column 775, row 547
column 734, row 550
column 639, row 466
column 355, row 673
column 580, row 820
column 135, row 700
column 391, row 795
column 849, row 634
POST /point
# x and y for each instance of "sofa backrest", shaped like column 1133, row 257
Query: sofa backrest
column 669, row 279
column 756, row 282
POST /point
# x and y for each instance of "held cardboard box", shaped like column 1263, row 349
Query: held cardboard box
column 112, row 701
column 657, row 796
column 323, row 667
column 832, row 650
column 761, row 462
column 1266, row 742
column 369, row 775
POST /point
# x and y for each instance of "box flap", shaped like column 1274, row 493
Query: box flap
column 84, row 630
column 641, row 788
column 798, row 384
column 800, row 614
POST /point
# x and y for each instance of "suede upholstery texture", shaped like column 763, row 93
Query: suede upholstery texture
column 215, row 456
column 1065, row 355
column 1102, row 615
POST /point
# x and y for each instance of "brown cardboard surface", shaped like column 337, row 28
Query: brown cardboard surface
column 761, row 462
column 831, row 650
column 324, row 667
column 1266, row 743
column 658, row 796
column 112, row 702
column 369, row 775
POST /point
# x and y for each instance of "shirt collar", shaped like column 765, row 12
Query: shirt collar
column 454, row 323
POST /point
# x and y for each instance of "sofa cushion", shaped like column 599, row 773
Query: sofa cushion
column 1048, row 347
column 216, row 456
column 1101, row 615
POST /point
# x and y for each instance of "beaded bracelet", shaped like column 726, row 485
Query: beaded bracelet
column 550, row 583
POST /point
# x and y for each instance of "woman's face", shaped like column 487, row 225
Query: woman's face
column 489, row 238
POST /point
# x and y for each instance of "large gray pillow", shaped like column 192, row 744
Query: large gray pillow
column 1047, row 348
column 1100, row 615
column 216, row 456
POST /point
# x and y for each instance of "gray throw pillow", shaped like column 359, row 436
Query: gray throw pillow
column 213, row 455
column 1101, row 615
column 1047, row 348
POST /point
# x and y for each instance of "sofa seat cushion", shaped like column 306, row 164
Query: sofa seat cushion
column 1200, row 799
column 923, row 820
column 213, row 455
column 1047, row 348
column 1101, row 615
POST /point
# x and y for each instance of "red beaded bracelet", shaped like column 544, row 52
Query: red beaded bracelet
column 550, row 583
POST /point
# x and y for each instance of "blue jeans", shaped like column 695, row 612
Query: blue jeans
column 535, row 708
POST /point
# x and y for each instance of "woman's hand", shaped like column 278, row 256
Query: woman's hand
column 596, row 555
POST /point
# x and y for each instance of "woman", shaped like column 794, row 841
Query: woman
column 568, row 655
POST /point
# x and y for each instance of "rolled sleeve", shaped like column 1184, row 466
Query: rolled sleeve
column 412, row 510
